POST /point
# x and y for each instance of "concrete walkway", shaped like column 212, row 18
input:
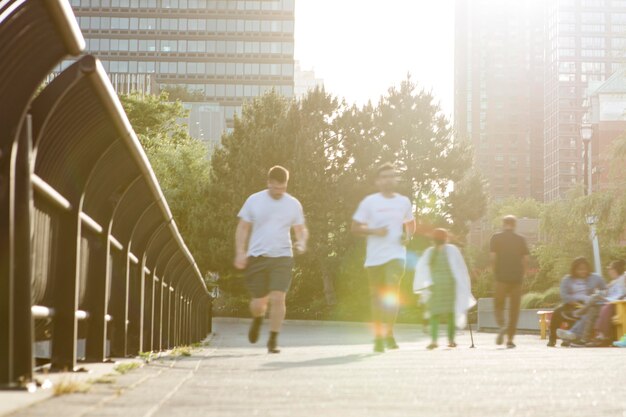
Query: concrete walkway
column 329, row 370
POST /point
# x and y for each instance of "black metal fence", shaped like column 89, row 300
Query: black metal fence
column 89, row 251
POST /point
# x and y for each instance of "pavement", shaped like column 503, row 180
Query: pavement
column 329, row 369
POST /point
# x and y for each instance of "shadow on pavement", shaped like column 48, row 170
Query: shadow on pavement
column 332, row 361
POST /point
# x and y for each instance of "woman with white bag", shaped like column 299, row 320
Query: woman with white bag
column 442, row 279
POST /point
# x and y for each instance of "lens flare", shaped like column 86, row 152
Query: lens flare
column 390, row 299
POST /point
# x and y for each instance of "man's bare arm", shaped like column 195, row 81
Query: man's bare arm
column 302, row 237
column 242, row 234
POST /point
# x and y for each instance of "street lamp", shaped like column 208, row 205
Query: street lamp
column 586, row 134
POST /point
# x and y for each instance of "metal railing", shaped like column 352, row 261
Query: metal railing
column 89, row 250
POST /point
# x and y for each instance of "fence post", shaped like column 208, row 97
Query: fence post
column 119, row 304
column 16, row 200
column 65, row 302
column 23, row 335
column 97, row 300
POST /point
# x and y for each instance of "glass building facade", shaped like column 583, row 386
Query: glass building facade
column 221, row 52
column 586, row 43
column 499, row 92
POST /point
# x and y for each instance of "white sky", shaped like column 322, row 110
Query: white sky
column 362, row 47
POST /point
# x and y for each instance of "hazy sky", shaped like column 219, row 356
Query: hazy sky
column 362, row 47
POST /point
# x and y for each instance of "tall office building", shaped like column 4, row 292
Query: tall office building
column 499, row 92
column 586, row 42
column 215, row 52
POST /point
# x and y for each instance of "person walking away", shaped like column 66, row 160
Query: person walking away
column 265, row 251
column 443, row 280
column 386, row 219
column 576, row 289
column 509, row 259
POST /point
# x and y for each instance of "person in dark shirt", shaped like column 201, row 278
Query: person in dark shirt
column 509, row 258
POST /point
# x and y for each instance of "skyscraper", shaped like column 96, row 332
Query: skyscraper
column 215, row 52
column 586, row 42
column 499, row 92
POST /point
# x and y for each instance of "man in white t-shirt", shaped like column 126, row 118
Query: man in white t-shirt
column 386, row 219
column 264, row 251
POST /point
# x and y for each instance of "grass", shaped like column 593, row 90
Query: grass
column 104, row 379
column 181, row 351
column 70, row 386
column 146, row 356
column 126, row 367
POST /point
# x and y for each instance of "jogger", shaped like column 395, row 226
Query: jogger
column 386, row 219
column 264, row 251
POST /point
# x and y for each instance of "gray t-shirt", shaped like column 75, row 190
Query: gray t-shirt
column 271, row 223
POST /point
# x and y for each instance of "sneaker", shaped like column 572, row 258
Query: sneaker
column 596, row 343
column 566, row 335
column 432, row 346
column 620, row 343
column 379, row 345
column 510, row 345
column 390, row 343
column 500, row 337
column 255, row 329
column 552, row 343
column 452, row 344
column 272, row 347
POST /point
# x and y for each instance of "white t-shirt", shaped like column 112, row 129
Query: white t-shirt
column 271, row 223
column 378, row 211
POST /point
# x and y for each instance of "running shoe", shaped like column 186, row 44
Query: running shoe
column 620, row 343
column 566, row 335
column 500, row 337
column 379, row 345
column 390, row 343
column 255, row 328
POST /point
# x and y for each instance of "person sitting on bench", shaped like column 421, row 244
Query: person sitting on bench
column 576, row 290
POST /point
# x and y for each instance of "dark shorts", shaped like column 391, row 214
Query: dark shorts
column 264, row 275
column 386, row 275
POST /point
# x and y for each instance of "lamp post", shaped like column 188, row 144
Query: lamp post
column 586, row 134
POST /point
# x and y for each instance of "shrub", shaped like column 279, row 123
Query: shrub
column 551, row 297
column 532, row 300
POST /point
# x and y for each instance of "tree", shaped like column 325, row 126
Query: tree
column 332, row 150
column 467, row 202
column 180, row 163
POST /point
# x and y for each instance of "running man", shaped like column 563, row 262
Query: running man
column 386, row 219
column 509, row 258
column 264, row 251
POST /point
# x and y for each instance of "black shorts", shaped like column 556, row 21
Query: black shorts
column 386, row 275
column 264, row 275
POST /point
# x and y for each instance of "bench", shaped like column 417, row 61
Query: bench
column 544, row 322
column 619, row 319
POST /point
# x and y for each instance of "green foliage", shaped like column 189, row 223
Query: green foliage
column 532, row 300
column 468, row 202
column 180, row 162
column 126, row 367
column 519, row 207
column 566, row 233
column 331, row 150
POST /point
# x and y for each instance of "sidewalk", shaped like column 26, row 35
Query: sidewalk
column 329, row 370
